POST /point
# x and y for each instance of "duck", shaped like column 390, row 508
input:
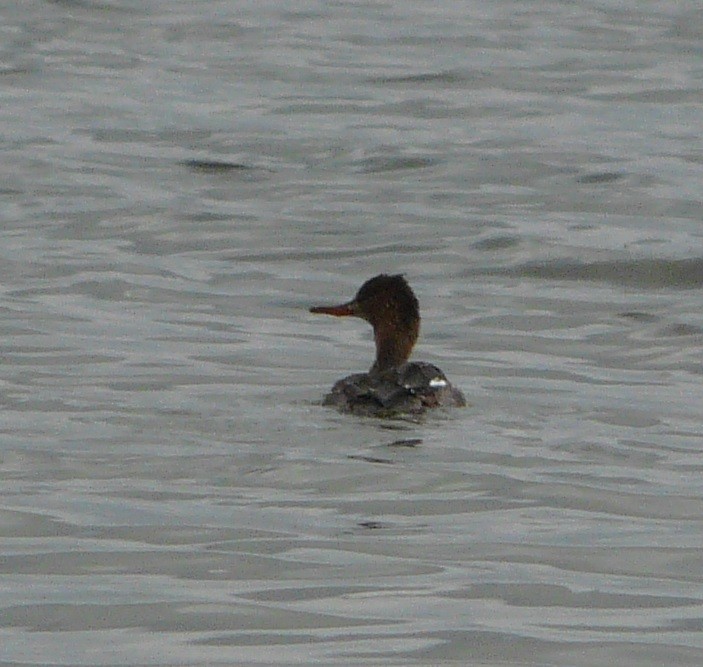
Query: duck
column 393, row 386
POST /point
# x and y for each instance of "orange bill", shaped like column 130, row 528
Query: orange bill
column 341, row 310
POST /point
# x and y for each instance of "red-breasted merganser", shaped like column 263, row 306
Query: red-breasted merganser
column 393, row 385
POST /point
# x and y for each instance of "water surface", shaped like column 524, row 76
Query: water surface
column 180, row 181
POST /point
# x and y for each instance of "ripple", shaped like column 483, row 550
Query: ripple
column 216, row 166
column 600, row 178
column 380, row 164
column 647, row 273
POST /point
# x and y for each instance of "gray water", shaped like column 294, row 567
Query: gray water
column 181, row 180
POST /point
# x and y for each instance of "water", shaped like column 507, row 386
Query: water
column 180, row 181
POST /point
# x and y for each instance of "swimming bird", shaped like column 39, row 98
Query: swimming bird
column 393, row 385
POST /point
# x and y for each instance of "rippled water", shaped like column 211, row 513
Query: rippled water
column 181, row 180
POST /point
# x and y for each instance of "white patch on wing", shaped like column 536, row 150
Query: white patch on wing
column 437, row 382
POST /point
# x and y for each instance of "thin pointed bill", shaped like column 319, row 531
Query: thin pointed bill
column 342, row 310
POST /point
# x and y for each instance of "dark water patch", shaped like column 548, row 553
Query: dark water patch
column 263, row 638
column 646, row 273
column 686, row 625
column 682, row 329
column 11, row 70
column 84, row 4
column 188, row 137
column 375, row 165
column 408, row 442
column 549, row 595
column 472, row 647
column 599, row 178
column 444, row 77
column 658, row 96
column 301, row 594
column 637, row 316
column 80, row 617
column 624, row 417
column 154, row 616
column 695, row 158
column 321, row 108
column 109, row 289
column 497, row 243
column 204, row 216
column 370, row 459
column 6, row 191
column 216, row 166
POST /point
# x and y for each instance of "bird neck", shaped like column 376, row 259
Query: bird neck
column 393, row 346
